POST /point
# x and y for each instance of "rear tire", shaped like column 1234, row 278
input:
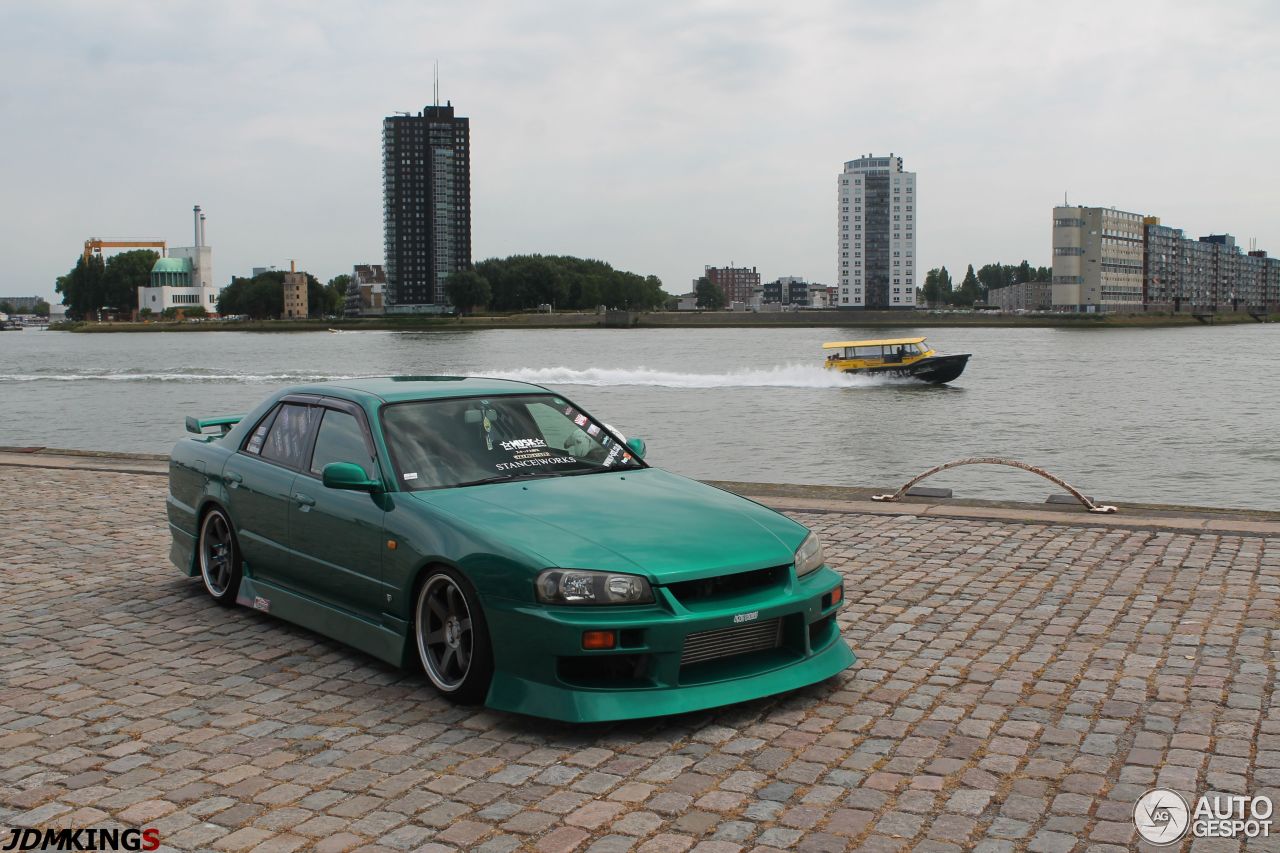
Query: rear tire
column 219, row 557
column 452, row 636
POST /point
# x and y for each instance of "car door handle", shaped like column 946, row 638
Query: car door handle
column 232, row 477
column 304, row 500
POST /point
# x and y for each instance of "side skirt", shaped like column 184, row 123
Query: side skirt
column 377, row 640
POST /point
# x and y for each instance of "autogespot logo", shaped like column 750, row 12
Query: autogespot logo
column 1161, row 816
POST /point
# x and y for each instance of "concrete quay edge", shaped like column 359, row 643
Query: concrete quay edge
column 798, row 498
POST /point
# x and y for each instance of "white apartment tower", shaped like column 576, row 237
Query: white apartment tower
column 877, row 236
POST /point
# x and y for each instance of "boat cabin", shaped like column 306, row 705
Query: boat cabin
column 890, row 351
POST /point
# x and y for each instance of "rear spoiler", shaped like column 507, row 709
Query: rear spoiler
column 226, row 422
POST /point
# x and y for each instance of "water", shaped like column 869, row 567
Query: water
column 1188, row 416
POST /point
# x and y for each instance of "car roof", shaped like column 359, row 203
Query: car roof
column 397, row 389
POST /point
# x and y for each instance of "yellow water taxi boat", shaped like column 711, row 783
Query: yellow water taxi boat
column 905, row 357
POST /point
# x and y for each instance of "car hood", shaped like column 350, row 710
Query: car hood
column 647, row 521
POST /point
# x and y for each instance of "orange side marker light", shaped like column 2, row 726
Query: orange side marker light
column 599, row 639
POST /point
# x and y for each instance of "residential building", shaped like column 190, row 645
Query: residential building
column 787, row 290
column 426, row 176
column 737, row 283
column 877, row 228
column 820, row 296
column 1097, row 259
column 21, row 304
column 1022, row 296
column 1205, row 275
column 295, row 294
column 366, row 291
column 183, row 279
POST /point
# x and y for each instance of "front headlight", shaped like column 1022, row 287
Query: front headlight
column 809, row 556
column 580, row 586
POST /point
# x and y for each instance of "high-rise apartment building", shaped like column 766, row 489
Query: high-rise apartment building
column 1097, row 259
column 739, row 284
column 877, row 234
column 426, row 177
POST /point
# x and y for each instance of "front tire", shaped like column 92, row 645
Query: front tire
column 220, row 567
column 452, row 637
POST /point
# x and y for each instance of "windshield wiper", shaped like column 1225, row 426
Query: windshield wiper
column 498, row 478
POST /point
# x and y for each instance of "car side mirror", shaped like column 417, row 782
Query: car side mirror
column 348, row 476
column 636, row 446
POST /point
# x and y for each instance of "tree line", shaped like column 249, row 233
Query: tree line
column 515, row 283
column 975, row 288
column 523, row 282
column 262, row 296
column 94, row 285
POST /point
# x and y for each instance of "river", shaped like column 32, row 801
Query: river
column 1175, row 415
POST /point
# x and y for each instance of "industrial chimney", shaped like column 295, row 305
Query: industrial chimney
column 204, row 238
column 195, row 215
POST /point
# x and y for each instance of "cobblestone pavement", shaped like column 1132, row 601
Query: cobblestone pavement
column 1019, row 686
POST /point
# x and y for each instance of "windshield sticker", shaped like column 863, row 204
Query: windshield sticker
column 626, row 457
column 570, row 412
column 580, row 420
column 613, row 454
column 523, row 444
column 605, row 441
column 593, row 430
column 526, row 463
column 411, row 475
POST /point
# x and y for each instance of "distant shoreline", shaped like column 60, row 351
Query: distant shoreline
column 683, row 319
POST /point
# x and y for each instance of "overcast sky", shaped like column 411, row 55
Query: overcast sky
column 658, row 136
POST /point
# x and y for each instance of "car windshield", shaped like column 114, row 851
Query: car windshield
column 463, row 442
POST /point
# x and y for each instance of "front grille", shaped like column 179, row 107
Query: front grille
column 728, row 642
column 726, row 585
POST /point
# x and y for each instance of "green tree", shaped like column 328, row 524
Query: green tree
column 709, row 294
column 82, row 288
column 7, row 308
column 41, row 308
column 259, row 297
column 337, row 293
column 123, row 274
column 468, row 290
column 522, row 282
column 969, row 290
column 937, row 287
column 930, row 290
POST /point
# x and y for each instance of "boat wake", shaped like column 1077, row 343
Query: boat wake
column 781, row 376
column 195, row 376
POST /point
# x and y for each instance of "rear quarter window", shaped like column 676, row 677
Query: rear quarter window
column 287, row 438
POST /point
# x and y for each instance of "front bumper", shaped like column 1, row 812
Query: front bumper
column 541, row 668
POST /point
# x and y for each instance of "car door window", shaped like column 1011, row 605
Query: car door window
column 341, row 439
column 287, row 440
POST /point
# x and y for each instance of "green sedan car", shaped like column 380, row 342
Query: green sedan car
column 512, row 545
